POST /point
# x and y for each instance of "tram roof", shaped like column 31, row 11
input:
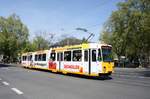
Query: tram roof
column 70, row 47
column 36, row 52
column 41, row 51
column 27, row 53
column 80, row 46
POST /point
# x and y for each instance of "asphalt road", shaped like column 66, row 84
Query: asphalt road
column 21, row 83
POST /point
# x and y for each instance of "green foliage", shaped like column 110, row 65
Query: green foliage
column 39, row 43
column 68, row 41
column 13, row 35
column 128, row 29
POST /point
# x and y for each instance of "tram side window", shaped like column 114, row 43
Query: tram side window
column 77, row 55
column 24, row 58
column 58, row 59
column 60, row 56
column 93, row 55
column 30, row 57
column 67, row 56
column 53, row 56
column 44, row 57
column 85, row 55
column 99, row 55
column 36, row 57
column 39, row 57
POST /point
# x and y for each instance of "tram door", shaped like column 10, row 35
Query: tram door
column 87, row 61
column 93, row 61
column 90, row 61
column 59, row 59
column 29, row 60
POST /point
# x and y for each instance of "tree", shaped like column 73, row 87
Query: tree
column 43, row 40
column 29, row 47
column 39, row 43
column 13, row 35
column 68, row 41
column 48, row 36
column 128, row 30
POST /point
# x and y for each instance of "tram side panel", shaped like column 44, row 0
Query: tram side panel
column 73, row 62
column 24, row 60
column 78, row 61
column 41, row 60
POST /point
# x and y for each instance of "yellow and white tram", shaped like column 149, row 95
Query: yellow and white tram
column 91, row 59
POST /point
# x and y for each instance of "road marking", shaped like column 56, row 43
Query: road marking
column 17, row 91
column 141, row 77
column 5, row 68
column 5, row 83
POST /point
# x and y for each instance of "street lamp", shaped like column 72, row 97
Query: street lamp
column 82, row 29
column 85, row 30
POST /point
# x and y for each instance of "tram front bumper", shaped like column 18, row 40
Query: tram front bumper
column 107, row 67
column 105, row 74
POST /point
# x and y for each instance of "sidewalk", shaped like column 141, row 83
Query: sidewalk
column 145, row 72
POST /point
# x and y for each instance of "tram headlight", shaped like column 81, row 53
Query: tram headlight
column 104, row 69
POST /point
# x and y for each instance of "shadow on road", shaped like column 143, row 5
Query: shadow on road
column 145, row 73
column 76, row 75
column 5, row 65
column 89, row 77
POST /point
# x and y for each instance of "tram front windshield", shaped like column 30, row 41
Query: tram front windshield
column 107, row 53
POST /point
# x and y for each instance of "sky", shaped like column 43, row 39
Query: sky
column 61, row 17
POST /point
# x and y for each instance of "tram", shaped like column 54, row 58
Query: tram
column 91, row 59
